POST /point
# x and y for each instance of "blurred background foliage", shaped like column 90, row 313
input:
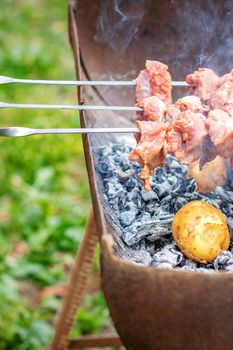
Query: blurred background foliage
column 44, row 195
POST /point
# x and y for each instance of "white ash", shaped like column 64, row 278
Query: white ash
column 145, row 218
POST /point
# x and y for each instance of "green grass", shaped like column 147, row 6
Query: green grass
column 44, row 195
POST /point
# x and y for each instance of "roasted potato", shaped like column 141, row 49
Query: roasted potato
column 200, row 231
column 212, row 174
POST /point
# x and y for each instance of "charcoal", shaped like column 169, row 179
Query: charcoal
column 125, row 163
column 151, row 207
column 136, row 198
column 229, row 267
column 151, row 230
column 104, row 152
column 127, row 217
column 211, row 201
column 130, row 184
column 209, row 266
column 104, row 168
column 168, row 255
column 190, row 185
column 143, row 219
column 224, row 194
column 189, row 268
column 161, row 230
column 158, row 176
column 122, row 201
column 114, row 189
column 178, row 202
column 125, row 175
column 134, row 194
column 230, row 225
column 163, row 189
column 162, row 265
column 152, row 247
column 131, row 206
column 223, row 260
column 148, row 195
column 190, row 264
column 141, row 257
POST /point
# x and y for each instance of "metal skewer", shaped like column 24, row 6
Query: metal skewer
column 19, row 131
column 76, row 107
column 9, row 80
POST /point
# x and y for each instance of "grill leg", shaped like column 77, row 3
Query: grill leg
column 76, row 287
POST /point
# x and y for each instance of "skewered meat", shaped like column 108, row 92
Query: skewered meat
column 154, row 80
column 153, row 94
column 216, row 91
column 143, row 86
column 191, row 103
column 222, row 98
column 149, row 152
column 187, row 131
column 220, row 128
column 192, row 135
column 204, row 82
column 154, row 109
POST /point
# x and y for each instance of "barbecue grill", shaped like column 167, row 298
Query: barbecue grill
column 151, row 308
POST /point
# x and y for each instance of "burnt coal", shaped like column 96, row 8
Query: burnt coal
column 146, row 217
column 167, row 257
column 224, row 261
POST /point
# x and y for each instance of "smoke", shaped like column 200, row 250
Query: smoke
column 183, row 34
column 204, row 30
column 200, row 35
column 119, row 22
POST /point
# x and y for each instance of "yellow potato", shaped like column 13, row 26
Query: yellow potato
column 212, row 174
column 200, row 231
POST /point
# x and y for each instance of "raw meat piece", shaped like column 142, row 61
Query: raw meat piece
column 204, row 82
column 192, row 103
column 154, row 109
column 154, row 80
column 187, row 131
column 220, row 128
column 222, row 98
column 150, row 151
column 153, row 94
column 143, row 87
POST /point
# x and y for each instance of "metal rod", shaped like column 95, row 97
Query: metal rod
column 75, row 107
column 15, row 131
column 9, row 80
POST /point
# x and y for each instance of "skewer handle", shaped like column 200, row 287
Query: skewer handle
column 74, row 107
column 9, row 80
column 19, row 131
